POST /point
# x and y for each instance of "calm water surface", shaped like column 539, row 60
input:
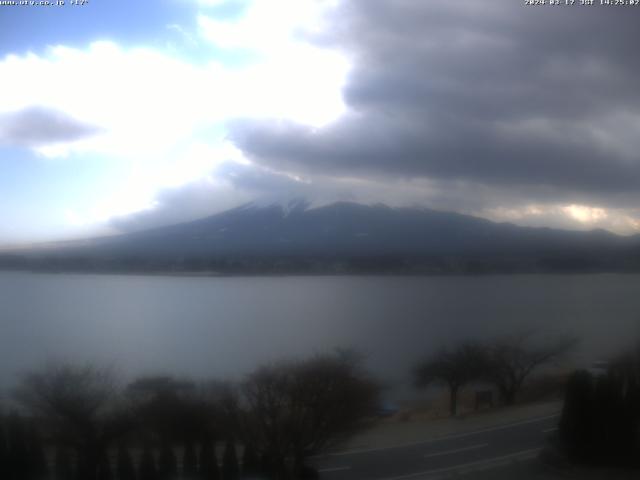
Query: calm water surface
column 224, row 327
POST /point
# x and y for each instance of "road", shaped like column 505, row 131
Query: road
column 442, row 457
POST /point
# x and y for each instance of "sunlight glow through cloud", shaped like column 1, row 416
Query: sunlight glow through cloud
column 575, row 216
column 167, row 115
column 584, row 213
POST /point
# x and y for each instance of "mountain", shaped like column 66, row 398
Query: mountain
column 342, row 237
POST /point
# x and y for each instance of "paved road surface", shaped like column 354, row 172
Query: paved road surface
column 443, row 457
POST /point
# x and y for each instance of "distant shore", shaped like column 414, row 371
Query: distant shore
column 221, row 274
column 303, row 266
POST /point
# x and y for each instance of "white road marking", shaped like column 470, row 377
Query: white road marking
column 495, row 461
column 548, row 430
column 463, row 449
column 446, row 437
column 334, row 469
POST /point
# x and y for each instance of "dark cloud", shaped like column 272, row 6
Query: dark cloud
column 525, row 114
column 37, row 126
column 497, row 94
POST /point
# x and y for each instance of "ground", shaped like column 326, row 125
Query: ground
column 501, row 443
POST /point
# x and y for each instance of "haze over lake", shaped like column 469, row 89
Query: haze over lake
column 225, row 326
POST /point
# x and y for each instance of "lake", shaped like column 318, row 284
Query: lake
column 223, row 327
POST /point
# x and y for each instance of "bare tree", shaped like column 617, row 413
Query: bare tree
column 78, row 406
column 454, row 367
column 510, row 361
column 297, row 409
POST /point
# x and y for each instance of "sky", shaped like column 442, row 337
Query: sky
column 117, row 116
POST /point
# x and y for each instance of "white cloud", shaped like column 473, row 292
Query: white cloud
column 165, row 116
column 143, row 100
column 146, row 101
column 143, row 97
column 267, row 26
column 292, row 78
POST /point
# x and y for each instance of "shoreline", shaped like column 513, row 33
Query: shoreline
column 220, row 274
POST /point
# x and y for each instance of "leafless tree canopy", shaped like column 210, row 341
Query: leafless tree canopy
column 506, row 362
column 69, row 395
column 297, row 409
column 511, row 360
column 79, row 404
column 454, row 367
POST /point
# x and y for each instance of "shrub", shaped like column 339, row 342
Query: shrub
column 230, row 469
column 125, row 467
column 600, row 421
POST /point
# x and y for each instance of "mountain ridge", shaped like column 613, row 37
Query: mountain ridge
column 342, row 237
